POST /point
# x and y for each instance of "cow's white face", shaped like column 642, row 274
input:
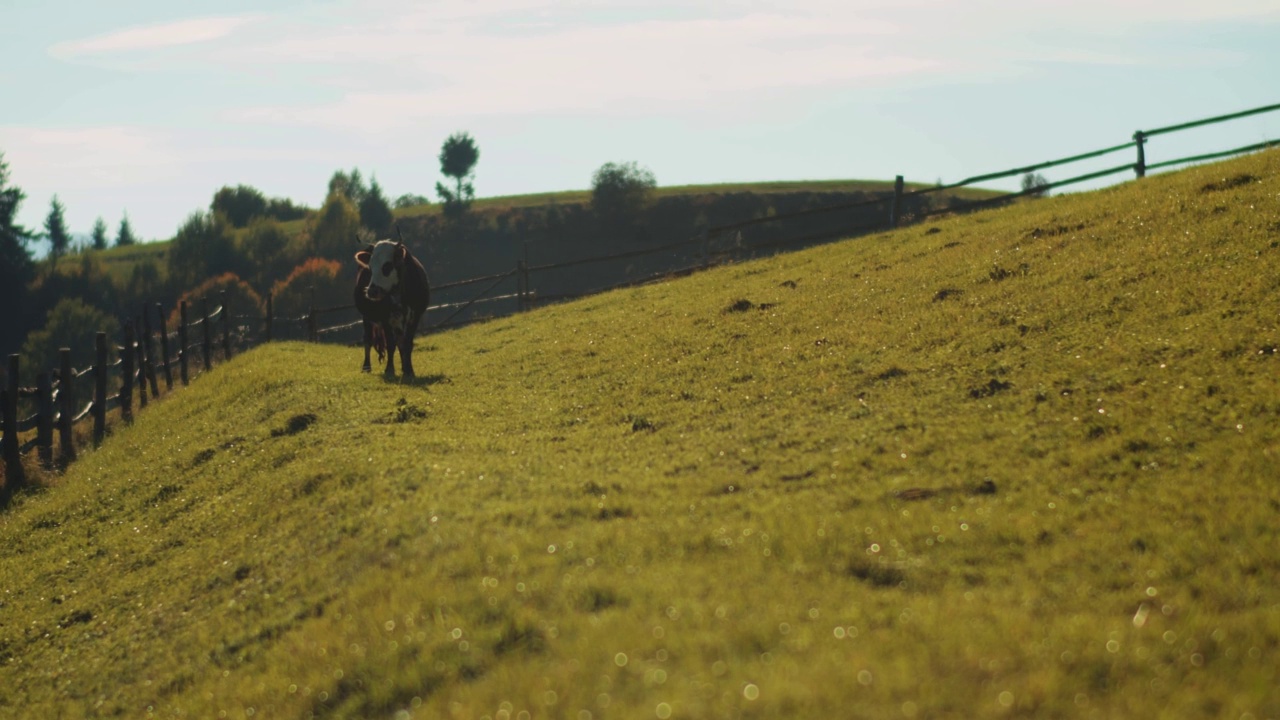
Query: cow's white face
column 384, row 269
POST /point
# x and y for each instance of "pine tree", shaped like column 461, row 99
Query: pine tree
column 100, row 234
column 375, row 212
column 125, row 236
column 55, row 231
column 351, row 185
column 16, row 267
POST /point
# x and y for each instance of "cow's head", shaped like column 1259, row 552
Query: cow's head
column 385, row 260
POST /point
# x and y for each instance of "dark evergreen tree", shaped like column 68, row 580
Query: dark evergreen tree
column 351, row 185
column 55, row 231
column 16, row 267
column 375, row 213
column 125, row 236
column 99, row 235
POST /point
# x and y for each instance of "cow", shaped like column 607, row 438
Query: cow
column 391, row 294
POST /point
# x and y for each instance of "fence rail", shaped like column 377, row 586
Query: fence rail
column 136, row 364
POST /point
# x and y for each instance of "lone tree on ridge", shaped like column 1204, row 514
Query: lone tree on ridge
column 458, row 156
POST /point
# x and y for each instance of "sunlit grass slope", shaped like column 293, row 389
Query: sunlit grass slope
column 1021, row 463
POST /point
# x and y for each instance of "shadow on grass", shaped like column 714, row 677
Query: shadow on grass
column 417, row 380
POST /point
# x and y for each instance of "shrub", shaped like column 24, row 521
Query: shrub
column 620, row 191
column 335, row 228
column 316, row 282
column 204, row 246
column 266, row 246
column 70, row 324
column 1035, row 184
column 241, row 299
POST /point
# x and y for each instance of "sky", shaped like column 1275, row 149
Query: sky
column 148, row 107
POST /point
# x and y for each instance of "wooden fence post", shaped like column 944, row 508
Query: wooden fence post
column 226, row 328
column 100, row 389
column 895, row 210
column 147, row 353
column 164, row 349
column 313, row 332
column 126, row 374
column 66, row 407
column 141, row 370
column 207, row 347
column 44, row 419
column 1140, row 168
column 13, row 383
column 15, row 476
column 182, row 342
column 267, row 329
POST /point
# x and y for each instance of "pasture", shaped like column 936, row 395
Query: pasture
column 1020, row 463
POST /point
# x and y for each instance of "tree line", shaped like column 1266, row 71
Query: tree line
column 244, row 242
column 242, row 237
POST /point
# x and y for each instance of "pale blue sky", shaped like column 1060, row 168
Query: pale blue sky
column 150, row 107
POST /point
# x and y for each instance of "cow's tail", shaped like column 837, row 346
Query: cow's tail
column 379, row 341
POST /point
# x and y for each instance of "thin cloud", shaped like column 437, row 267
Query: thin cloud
column 419, row 68
column 89, row 156
column 151, row 37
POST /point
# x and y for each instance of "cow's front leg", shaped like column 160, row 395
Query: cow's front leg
column 368, row 342
column 391, row 350
column 406, row 345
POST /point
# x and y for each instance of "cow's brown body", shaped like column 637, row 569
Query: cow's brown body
column 392, row 306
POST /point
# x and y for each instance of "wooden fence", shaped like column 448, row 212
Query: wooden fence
column 56, row 399
column 59, row 392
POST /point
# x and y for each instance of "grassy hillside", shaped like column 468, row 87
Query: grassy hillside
column 1019, row 463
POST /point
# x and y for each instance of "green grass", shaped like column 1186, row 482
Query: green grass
column 118, row 262
column 1019, row 463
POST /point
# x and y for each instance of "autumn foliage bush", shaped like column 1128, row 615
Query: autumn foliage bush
column 315, row 283
column 241, row 299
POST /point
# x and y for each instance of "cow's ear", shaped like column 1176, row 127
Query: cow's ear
column 362, row 258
